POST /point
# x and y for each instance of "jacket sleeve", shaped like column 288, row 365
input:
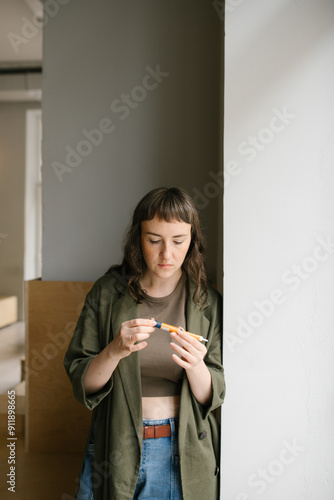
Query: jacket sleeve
column 213, row 360
column 84, row 346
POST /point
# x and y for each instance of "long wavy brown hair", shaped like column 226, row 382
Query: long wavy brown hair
column 169, row 204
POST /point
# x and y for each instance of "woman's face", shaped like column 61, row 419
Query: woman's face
column 164, row 246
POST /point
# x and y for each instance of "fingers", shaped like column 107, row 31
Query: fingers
column 188, row 342
column 190, row 350
column 138, row 328
column 186, row 355
column 140, row 322
column 132, row 335
column 181, row 362
column 138, row 337
column 138, row 347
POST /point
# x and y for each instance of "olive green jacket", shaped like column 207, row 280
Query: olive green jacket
column 117, row 406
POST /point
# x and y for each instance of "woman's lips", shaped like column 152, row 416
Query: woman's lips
column 165, row 266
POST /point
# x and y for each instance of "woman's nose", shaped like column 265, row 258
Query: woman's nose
column 165, row 251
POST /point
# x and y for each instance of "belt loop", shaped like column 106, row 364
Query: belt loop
column 172, row 428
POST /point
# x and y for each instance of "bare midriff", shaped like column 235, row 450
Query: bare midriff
column 158, row 408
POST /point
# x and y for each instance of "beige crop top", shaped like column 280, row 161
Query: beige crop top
column 160, row 375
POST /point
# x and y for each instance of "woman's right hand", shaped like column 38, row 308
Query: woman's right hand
column 130, row 332
column 103, row 365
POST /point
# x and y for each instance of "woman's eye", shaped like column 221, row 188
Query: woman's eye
column 154, row 241
column 178, row 242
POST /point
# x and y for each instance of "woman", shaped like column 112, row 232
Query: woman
column 153, row 433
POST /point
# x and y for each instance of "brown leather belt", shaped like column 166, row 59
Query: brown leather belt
column 157, row 431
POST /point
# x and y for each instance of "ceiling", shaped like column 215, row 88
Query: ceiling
column 20, row 37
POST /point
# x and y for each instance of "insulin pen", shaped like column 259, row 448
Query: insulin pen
column 170, row 328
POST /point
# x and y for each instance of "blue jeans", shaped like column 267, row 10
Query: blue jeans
column 85, row 486
column 159, row 474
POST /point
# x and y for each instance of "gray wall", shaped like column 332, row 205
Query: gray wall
column 12, row 187
column 95, row 53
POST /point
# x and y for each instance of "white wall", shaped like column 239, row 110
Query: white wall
column 12, row 192
column 279, row 211
column 33, row 197
column 96, row 54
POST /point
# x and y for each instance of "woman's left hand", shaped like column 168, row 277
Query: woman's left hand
column 192, row 354
column 191, row 350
